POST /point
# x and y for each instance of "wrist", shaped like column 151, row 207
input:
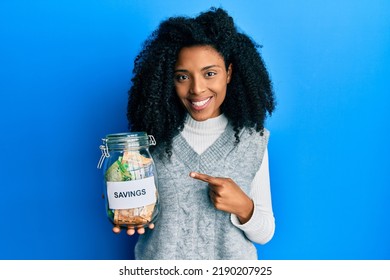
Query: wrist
column 246, row 212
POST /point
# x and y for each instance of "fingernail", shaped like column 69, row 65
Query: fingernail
column 192, row 174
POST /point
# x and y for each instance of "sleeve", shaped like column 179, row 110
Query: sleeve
column 261, row 226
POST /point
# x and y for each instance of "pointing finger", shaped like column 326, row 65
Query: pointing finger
column 204, row 177
column 200, row 176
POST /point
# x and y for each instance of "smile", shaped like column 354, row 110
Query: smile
column 199, row 105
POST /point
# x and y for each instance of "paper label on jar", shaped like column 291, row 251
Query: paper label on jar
column 131, row 194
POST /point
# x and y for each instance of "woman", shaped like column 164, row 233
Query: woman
column 202, row 90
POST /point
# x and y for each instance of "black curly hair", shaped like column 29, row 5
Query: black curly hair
column 153, row 105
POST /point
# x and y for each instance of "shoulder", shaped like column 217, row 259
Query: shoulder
column 266, row 134
column 252, row 143
column 254, row 136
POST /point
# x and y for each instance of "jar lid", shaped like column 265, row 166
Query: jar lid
column 128, row 139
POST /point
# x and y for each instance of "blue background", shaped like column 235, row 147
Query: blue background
column 65, row 69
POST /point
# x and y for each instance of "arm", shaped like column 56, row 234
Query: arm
column 261, row 226
column 252, row 214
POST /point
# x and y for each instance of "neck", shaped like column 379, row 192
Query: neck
column 202, row 134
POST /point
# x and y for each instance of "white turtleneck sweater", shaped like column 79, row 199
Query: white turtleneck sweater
column 261, row 226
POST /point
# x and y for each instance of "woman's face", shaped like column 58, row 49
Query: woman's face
column 201, row 80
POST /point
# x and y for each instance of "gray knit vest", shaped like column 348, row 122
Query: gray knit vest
column 189, row 227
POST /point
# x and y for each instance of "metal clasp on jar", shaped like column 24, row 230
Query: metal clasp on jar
column 105, row 153
column 152, row 141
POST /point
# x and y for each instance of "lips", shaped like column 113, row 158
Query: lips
column 200, row 104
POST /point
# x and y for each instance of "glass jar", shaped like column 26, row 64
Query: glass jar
column 130, row 179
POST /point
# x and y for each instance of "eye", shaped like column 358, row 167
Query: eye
column 210, row 74
column 181, row 77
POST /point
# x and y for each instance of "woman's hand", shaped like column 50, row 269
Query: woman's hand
column 227, row 196
column 131, row 230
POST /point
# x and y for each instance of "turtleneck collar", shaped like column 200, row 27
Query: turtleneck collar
column 213, row 125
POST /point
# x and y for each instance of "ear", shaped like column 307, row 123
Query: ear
column 229, row 72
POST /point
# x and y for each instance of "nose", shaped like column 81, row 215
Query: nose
column 197, row 85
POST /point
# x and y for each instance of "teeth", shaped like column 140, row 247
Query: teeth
column 201, row 103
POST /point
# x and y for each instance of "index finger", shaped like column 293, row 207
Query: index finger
column 203, row 177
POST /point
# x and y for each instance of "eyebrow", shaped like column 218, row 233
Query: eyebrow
column 204, row 68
